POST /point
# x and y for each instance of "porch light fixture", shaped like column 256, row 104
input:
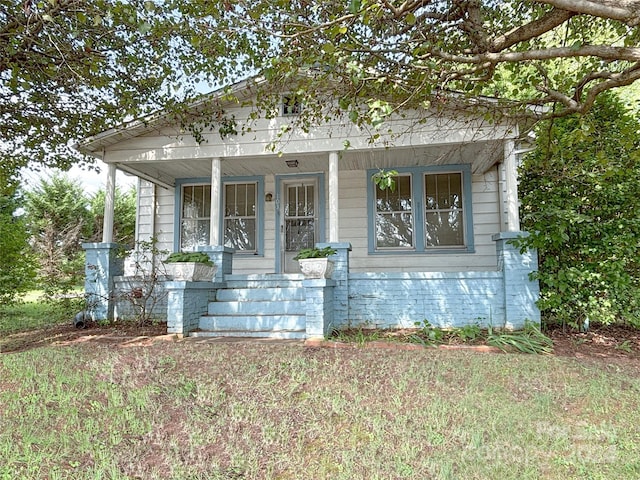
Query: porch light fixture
column 291, row 163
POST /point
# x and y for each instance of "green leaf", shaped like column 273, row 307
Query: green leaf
column 328, row 48
column 410, row 19
column 354, row 6
column 144, row 27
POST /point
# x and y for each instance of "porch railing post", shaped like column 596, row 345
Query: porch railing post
column 222, row 257
column 320, row 312
column 341, row 278
column 520, row 292
column 102, row 264
column 186, row 303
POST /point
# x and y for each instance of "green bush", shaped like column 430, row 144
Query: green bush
column 580, row 201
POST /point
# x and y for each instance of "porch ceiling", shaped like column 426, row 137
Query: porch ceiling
column 481, row 155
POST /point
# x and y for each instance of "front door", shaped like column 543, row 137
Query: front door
column 299, row 220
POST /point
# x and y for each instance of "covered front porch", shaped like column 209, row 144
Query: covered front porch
column 436, row 248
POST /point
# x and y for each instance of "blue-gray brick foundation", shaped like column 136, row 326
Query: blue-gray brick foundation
column 502, row 297
column 186, row 302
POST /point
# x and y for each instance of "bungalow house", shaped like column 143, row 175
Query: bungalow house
column 251, row 191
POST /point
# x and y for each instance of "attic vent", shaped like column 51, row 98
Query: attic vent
column 291, row 105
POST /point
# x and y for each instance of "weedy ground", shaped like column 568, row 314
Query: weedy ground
column 77, row 404
column 257, row 410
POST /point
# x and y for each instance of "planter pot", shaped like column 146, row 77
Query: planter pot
column 191, row 272
column 316, row 267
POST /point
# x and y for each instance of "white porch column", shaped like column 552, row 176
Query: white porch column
column 511, row 187
column 216, row 208
column 109, row 204
column 333, row 198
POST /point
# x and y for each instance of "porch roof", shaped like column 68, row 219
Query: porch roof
column 154, row 148
column 480, row 155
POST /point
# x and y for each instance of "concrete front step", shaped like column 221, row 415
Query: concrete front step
column 252, row 323
column 270, row 305
column 271, row 294
column 256, row 308
column 250, row 334
column 264, row 281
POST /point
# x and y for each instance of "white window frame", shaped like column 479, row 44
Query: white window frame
column 253, row 217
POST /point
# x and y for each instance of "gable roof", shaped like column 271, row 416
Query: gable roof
column 152, row 122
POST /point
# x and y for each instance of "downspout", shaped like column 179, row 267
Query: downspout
column 136, row 234
column 154, row 213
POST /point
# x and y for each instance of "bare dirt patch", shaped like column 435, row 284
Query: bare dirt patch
column 618, row 344
column 613, row 344
column 66, row 333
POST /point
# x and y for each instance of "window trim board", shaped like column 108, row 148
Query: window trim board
column 417, row 194
column 177, row 215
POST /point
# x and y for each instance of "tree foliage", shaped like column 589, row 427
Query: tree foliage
column 59, row 219
column 124, row 221
column 580, row 201
column 72, row 68
column 60, row 215
column 17, row 265
column 383, row 55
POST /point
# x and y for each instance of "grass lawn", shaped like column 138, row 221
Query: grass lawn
column 32, row 312
column 280, row 411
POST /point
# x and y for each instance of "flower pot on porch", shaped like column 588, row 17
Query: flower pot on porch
column 316, row 267
column 191, row 271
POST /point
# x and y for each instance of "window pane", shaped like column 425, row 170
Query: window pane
column 443, row 210
column 444, row 228
column 299, row 234
column 251, row 199
column 196, row 201
column 206, row 201
column 394, row 230
column 291, row 105
column 394, row 218
column 194, row 234
column 196, row 210
column 396, row 200
column 240, row 233
column 308, row 200
column 292, row 196
column 230, row 200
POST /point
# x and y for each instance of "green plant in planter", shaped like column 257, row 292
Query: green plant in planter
column 315, row 253
column 197, row 257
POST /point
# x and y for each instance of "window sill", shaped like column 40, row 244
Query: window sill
column 435, row 251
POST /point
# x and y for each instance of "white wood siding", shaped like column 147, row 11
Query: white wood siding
column 353, row 229
column 155, row 215
column 168, row 144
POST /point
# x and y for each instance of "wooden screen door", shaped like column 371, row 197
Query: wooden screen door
column 299, row 222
